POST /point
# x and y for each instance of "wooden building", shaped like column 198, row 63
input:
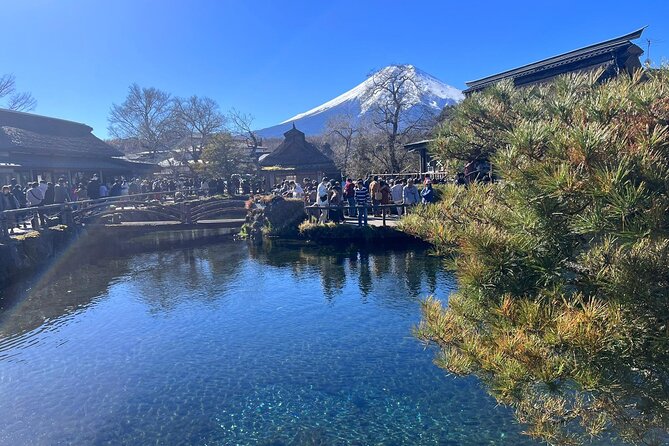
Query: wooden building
column 614, row 56
column 295, row 159
column 34, row 147
column 426, row 163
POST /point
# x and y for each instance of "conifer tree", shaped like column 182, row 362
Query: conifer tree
column 562, row 308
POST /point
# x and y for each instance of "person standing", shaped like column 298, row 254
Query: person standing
column 43, row 186
column 34, row 198
column 7, row 203
column 375, row 193
column 103, row 191
column 385, row 195
column 125, row 189
column 133, row 187
column 322, row 194
column 49, row 194
column 81, row 192
column 34, row 195
column 336, row 204
column 93, row 188
column 427, row 193
column 410, row 193
column 61, row 193
column 19, row 194
column 116, row 189
column 397, row 195
column 298, row 192
column 349, row 196
column 361, row 199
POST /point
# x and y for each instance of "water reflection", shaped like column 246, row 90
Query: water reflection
column 231, row 344
column 336, row 265
column 201, row 274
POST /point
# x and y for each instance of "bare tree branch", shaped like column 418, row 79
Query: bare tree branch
column 21, row 102
column 342, row 129
column 7, row 85
column 199, row 119
column 396, row 114
column 242, row 125
column 148, row 115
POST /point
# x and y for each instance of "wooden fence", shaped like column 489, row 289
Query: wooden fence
column 165, row 206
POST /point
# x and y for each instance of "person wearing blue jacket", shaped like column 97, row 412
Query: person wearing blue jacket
column 427, row 193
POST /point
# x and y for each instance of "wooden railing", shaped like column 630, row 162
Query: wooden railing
column 314, row 211
column 166, row 206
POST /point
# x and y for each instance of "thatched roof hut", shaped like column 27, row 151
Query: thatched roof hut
column 296, row 158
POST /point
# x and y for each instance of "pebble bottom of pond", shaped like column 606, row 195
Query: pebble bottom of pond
column 232, row 344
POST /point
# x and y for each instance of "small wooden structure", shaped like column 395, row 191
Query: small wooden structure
column 295, row 159
column 614, row 56
column 427, row 163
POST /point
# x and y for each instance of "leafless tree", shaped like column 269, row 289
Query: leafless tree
column 342, row 130
column 19, row 101
column 395, row 115
column 242, row 126
column 200, row 119
column 147, row 115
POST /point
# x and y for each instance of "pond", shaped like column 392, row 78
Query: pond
column 235, row 344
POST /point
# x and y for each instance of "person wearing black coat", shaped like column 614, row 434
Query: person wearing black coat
column 48, row 194
column 9, row 202
column 116, row 189
column 93, row 188
column 19, row 194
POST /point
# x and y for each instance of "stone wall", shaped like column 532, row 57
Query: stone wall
column 28, row 253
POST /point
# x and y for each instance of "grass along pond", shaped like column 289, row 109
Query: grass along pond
column 235, row 344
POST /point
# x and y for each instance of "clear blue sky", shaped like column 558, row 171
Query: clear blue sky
column 275, row 59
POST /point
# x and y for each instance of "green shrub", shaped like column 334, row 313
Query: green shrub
column 563, row 267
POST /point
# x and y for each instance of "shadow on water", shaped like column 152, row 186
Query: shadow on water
column 55, row 291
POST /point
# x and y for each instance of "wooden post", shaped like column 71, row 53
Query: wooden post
column 34, row 222
column 186, row 214
column 4, row 226
column 66, row 216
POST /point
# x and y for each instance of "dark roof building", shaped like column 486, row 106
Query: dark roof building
column 296, row 158
column 427, row 163
column 613, row 56
column 36, row 147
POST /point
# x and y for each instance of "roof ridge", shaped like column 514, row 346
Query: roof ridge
column 523, row 68
column 35, row 115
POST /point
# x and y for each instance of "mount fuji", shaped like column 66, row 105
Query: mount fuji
column 423, row 90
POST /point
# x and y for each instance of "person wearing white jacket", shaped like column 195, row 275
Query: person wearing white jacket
column 322, row 199
column 34, row 195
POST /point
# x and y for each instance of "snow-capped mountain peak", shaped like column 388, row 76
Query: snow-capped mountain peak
column 421, row 89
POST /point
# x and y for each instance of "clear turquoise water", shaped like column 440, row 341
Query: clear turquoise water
column 231, row 344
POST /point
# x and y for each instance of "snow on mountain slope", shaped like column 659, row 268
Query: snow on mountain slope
column 423, row 89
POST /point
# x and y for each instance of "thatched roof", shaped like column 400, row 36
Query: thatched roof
column 31, row 161
column 29, row 133
column 295, row 153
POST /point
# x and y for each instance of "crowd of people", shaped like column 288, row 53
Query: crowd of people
column 354, row 198
column 342, row 198
column 42, row 193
